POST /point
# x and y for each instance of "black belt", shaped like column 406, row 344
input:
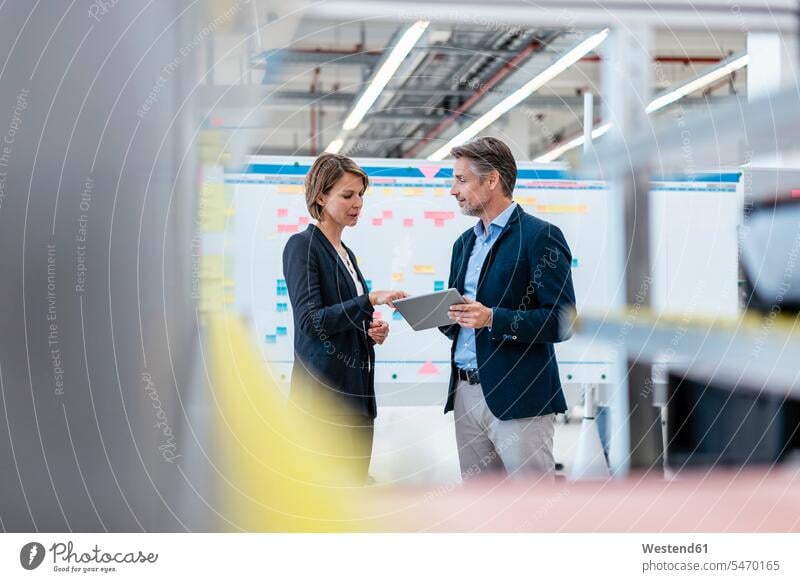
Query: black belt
column 470, row 375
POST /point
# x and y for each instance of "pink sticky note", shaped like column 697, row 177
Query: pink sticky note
column 446, row 215
column 428, row 369
column 377, row 222
column 304, row 220
column 283, row 212
column 429, row 171
column 408, row 222
column 387, row 214
column 377, row 315
column 439, row 214
column 287, row 228
column 796, row 193
column 438, row 223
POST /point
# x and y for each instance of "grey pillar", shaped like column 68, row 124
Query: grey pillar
column 626, row 88
column 96, row 329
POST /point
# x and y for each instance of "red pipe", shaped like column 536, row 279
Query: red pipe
column 313, row 112
column 670, row 59
column 594, row 58
column 482, row 90
column 342, row 53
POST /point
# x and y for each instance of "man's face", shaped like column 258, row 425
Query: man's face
column 471, row 194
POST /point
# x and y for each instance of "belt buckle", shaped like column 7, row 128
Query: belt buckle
column 470, row 376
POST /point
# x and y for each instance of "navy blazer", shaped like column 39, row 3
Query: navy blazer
column 527, row 278
column 333, row 353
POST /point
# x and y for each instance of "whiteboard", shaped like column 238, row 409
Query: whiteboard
column 403, row 241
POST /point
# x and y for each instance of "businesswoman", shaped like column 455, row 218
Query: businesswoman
column 333, row 378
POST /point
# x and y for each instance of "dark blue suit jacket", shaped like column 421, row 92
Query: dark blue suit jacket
column 527, row 278
column 333, row 354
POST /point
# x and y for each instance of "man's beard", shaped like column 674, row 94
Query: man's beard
column 476, row 210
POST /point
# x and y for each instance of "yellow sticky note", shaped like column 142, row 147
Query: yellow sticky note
column 212, row 221
column 212, row 267
column 213, row 188
column 211, row 297
column 424, row 269
column 561, row 208
column 397, row 276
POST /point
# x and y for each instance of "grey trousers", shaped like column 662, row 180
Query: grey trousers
column 520, row 448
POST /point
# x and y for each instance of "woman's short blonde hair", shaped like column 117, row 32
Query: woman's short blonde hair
column 323, row 174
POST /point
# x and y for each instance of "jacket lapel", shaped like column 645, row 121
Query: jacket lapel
column 513, row 220
column 358, row 270
column 326, row 244
column 466, row 251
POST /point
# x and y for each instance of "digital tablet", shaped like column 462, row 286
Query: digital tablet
column 427, row 311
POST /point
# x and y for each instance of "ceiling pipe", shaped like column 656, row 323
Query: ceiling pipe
column 669, row 59
column 369, row 57
column 504, row 72
column 313, row 113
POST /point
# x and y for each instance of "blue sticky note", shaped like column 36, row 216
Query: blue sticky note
column 397, row 316
column 271, row 339
column 369, row 285
column 438, row 285
column 281, row 331
column 574, row 262
column 282, row 307
column 282, row 291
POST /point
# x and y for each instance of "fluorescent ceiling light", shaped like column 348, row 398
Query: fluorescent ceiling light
column 725, row 68
column 485, row 120
column 385, row 73
column 335, row 146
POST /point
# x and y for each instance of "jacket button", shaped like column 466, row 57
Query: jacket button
column 513, row 337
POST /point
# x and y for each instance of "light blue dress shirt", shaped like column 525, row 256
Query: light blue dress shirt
column 465, row 356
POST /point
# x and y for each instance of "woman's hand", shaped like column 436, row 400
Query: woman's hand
column 378, row 330
column 386, row 297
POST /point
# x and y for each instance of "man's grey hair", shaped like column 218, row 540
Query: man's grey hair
column 486, row 154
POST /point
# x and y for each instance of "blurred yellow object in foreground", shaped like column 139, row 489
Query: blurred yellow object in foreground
column 273, row 480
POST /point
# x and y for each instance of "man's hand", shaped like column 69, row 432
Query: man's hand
column 470, row 314
column 378, row 330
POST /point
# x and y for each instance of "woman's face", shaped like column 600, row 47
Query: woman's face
column 343, row 204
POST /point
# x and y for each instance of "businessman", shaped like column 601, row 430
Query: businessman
column 515, row 271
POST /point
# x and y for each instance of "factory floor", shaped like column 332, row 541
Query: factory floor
column 415, row 445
